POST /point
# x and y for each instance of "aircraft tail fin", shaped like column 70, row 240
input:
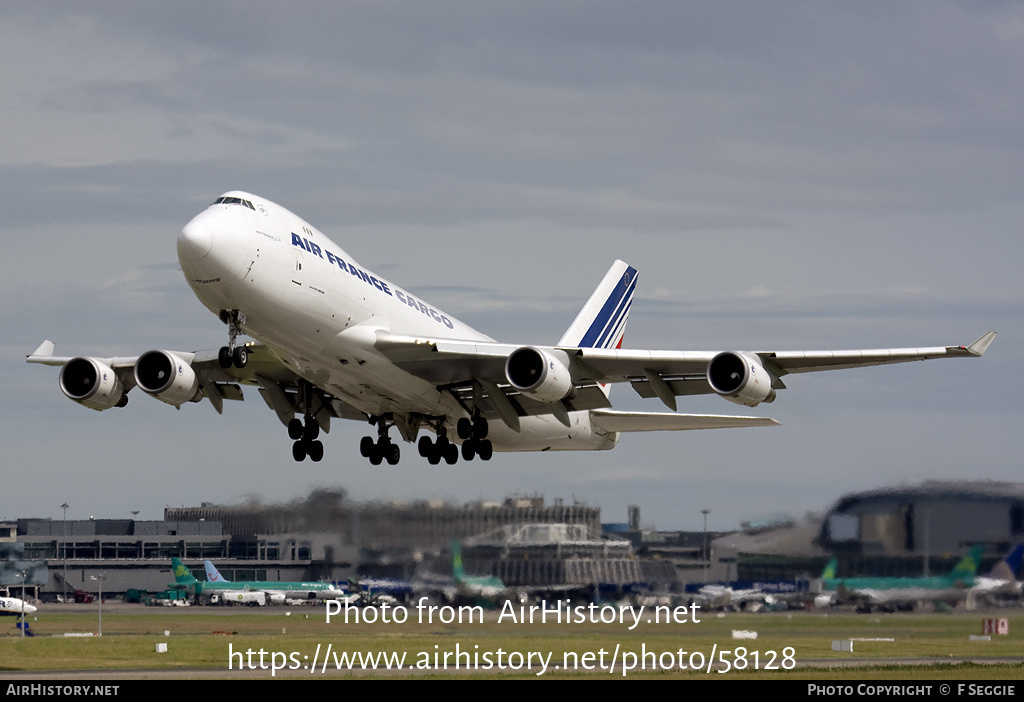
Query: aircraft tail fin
column 1014, row 559
column 968, row 565
column 830, row 570
column 212, row 574
column 1009, row 567
column 602, row 321
column 457, row 570
column 182, row 576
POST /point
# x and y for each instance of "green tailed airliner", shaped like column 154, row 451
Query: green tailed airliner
column 883, row 591
column 274, row 591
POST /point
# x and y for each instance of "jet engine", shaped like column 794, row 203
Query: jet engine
column 740, row 378
column 538, row 375
column 93, row 384
column 167, row 378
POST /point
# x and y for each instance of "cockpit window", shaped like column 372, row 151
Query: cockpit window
column 234, row 201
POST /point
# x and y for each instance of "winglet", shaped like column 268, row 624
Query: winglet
column 45, row 349
column 979, row 347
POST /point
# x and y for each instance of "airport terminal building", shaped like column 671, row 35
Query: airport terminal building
column 525, row 542
column 324, row 537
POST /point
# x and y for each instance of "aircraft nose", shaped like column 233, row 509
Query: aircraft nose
column 194, row 241
column 213, row 248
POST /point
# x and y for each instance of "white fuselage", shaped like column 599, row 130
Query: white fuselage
column 15, row 605
column 319, row 311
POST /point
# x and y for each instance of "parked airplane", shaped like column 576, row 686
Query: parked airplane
column 462, row 588
column 868, row 592
column 1002, row 580
column 474, row 587
column 249, row 592
column 336, row 341
column 375, row 592
column 185, row 581
column 15, row 605
column 278, row 591
column 724, row 596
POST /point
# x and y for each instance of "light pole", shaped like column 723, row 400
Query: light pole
column 927, row 541
column 24, row 576
column 99, row 601
column 65, row 508
column 707, row 555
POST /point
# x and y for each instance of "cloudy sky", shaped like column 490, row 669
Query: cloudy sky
column 784, row 176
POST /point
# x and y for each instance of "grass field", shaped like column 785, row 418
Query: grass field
column 788, row 645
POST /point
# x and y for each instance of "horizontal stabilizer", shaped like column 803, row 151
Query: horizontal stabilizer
column 610, row 420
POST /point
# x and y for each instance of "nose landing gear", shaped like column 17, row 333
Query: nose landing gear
column 231, row 354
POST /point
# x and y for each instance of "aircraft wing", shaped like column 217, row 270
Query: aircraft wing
column 615, row 365
column 277, row 384
column 458, row 365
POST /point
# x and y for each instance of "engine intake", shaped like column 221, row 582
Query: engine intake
column 740, row 378
column 92, row 383
column 167, row 378
column 538, row 375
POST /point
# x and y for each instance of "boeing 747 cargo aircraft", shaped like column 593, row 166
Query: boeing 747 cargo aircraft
column 333, row 340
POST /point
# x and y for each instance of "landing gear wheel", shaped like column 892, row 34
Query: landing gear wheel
column 425, row 446
column 484, row 450
column 479, row 428
column 376, row 458
column 392, row 453
column 240, row 357
column 366, row 447
column 468, row 450
column 464, row 428
column 299, row 451
column 451, row 454
column 316, row 451
column 224, row 357
column 312, row 429
column 295, row 429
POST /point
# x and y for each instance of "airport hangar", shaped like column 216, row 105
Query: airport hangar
column 889, row 531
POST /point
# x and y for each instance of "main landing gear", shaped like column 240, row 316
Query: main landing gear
column 474, row 443
column 304, row 432
column 231, row 354
column 434, row 451
column 383, row 448
column 473, row 433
